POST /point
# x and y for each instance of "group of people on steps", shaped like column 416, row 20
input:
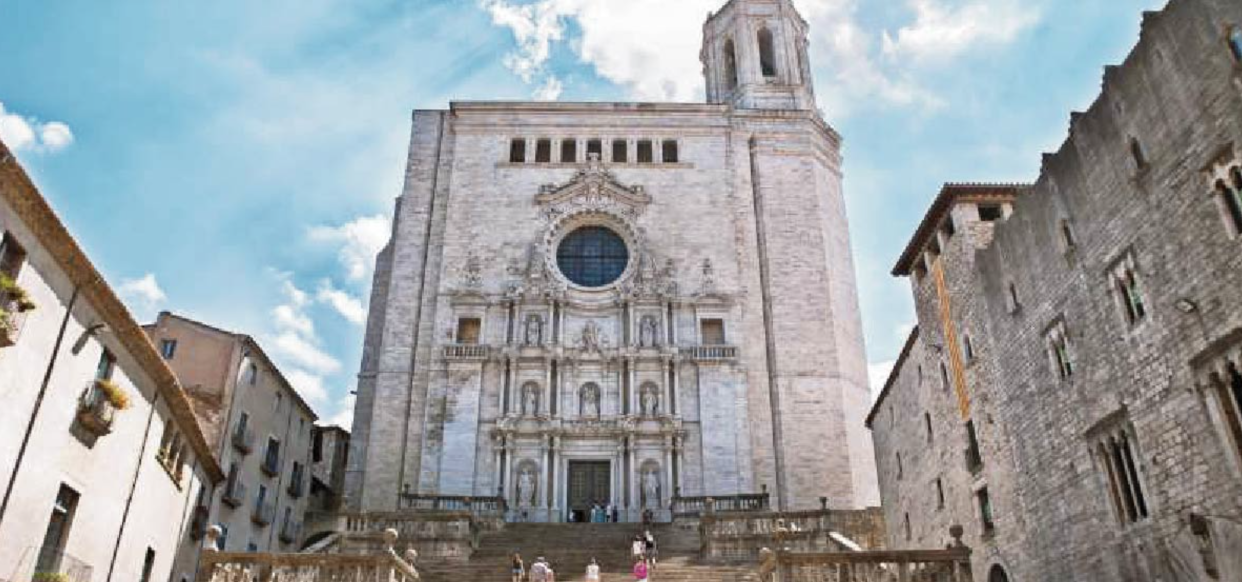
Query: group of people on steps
column 643, row 551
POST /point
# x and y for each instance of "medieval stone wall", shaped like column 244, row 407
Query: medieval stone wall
column 1134, row 185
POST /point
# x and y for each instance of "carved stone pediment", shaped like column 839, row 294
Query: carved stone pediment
column 593, row 188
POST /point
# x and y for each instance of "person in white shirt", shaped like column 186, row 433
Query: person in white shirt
column 592, row 573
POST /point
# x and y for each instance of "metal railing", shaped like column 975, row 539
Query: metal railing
column 243, row 439
column 712, row 353
column 694, row 506
column 51, row 564
column 465, row 352
column 263, row 513
column 234, row 493
column 95, row 410
column 290, row 531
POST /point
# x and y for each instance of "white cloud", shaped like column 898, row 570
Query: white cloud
column 296, row 339
column 360, row 240
column 308, row 385
column 143, row 295
column 344, row 415
column 347, row 305
column 550, row 90
column 29, row 134
column 941, row 32
column 877, row 374
column 657, row 57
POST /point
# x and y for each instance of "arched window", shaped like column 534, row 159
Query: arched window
column 730, row 64
column 767, row 53
column 1235, row 43
column 997, row 574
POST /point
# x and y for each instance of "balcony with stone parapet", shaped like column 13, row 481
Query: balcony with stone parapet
column 466, row 352
column 711, row 353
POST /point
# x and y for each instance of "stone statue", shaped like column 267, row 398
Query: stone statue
column 651, row 488
column 526, row 488
column 530, row 400
column 590, row 337
column 648, row 331
column 472, row 273
column 534, row 330
column 649, row 400
column 590, row 401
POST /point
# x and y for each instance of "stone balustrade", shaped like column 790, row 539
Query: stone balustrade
column 479, row 506
column 381, row 566
column 697, row 506
column 712, row 353
column 435, row 535
column 947, row 565
column 740, row 536
column 465, row 352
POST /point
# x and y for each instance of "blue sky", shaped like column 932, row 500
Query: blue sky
column 237, row 161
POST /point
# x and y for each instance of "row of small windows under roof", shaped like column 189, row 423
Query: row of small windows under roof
column 619, row 150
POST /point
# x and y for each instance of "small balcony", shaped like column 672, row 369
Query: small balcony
column 974, row 461
column 198, row 522
column 296, row 489
column 713, row 353
column 14, row 304
column 243, row 439
column 97, row 407
column 53, row 565
column 291, row 531
column 465, row 352
column 271, row 464
column 234, row 494
column 264, row 512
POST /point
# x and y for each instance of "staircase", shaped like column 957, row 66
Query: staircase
column 570, row 547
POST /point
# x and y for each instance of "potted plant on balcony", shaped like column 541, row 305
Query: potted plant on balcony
column 49, row 577
column 99, row 403
column 13, row 300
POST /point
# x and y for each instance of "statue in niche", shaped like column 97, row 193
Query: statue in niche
column 649, row 331
column 530, row 399
column 472, row 273
column 534, row 329
column 590, row 402
column 526, row 487
column 651, row 488
column 649, row 400
column 590, row 339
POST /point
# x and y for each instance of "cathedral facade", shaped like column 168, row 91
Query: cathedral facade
column 620, row 303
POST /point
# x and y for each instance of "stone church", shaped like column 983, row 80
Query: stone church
column 623, row 303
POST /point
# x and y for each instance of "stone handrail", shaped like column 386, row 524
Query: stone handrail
column 465, row 352
column 437, row 535
column 709, row 353
column 383, row 566
column 474, row 505
column 947, row 565
column 705, row 505
column 740, row 535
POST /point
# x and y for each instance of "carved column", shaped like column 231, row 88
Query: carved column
column 635, row 499
column 514, row 404
column 629, row 324
column 498, row 456
column 675, row 395
column 546, row 405
column 666, row 390
column 633, row 377
column 556, row 478
column 666, row 489
column 543, row 472
column 508, row 470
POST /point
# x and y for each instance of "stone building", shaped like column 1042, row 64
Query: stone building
column 103, row 466
column 623, row 302
column 258, row 426
column 1071, row 395
column 329, row 454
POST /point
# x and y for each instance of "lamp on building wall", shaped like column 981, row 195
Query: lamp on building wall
column 1185, row 305
column 91, row 331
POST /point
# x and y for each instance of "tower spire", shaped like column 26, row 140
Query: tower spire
column 755, row 56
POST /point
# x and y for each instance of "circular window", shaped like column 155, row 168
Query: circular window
column 592, row 256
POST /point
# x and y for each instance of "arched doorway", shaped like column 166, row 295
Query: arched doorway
column 997, row 574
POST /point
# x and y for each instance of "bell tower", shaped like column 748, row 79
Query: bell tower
column 755, row 56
